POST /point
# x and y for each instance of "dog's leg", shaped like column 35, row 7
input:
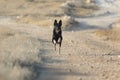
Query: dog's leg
column 54, row 42
column 60, row 42
column 59, row 47
column 55, row 46
column 59, row 50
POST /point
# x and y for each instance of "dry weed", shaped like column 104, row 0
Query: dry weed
column 112, row 34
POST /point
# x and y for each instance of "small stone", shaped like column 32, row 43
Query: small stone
column 80, row 79
column 70, row 70
column 92, row 67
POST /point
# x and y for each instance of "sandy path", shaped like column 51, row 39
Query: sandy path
column 83, row 55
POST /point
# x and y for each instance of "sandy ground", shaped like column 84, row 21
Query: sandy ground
column 27, row 53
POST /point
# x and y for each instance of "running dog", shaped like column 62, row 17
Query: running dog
column 57, row 34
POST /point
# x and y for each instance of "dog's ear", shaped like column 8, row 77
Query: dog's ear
column 55, row 22
column 60, row 23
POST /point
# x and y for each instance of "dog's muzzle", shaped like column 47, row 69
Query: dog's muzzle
column 57, row 31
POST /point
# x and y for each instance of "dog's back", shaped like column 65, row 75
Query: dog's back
column 57, row 34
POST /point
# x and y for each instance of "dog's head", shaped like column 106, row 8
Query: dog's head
column 57, row 26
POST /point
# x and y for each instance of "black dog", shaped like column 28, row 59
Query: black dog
column 57, row 34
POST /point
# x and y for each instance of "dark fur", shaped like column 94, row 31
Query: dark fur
column 57, row 34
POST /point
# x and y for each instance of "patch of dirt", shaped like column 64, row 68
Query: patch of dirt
column 112, row 34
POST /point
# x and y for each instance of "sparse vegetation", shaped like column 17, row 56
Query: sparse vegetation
column 112, row 34
column 41, row 12
column 16, row 52
column 69, row 22
column 78, row 8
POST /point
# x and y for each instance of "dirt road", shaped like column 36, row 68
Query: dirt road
column 28, row 53
column 84, row 56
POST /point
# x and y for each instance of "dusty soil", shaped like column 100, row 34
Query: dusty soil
column 84, row 56
column 42, row 13
column 27, row 53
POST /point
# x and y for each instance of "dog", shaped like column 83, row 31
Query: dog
column 57, row 34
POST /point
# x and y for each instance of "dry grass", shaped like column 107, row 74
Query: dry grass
column 86, row 10
column 13, row 73
column 69, row 22
column 43, row 12
column 112, row 34
column 16, row 51
column 78, row 8
column 5, row 32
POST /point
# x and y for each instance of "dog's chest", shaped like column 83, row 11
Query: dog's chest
column 57, row 40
